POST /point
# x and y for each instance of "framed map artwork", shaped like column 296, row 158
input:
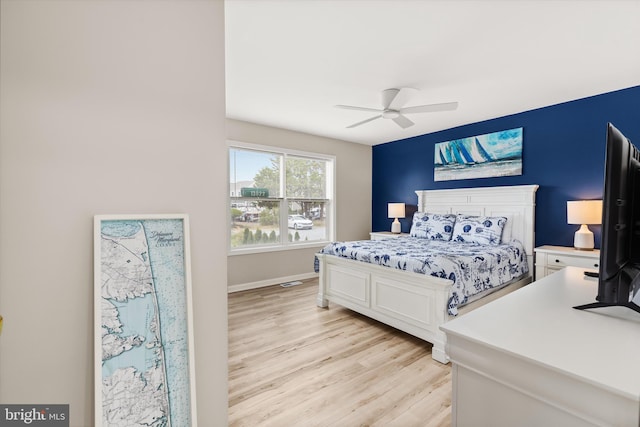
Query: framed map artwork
column 144, row 366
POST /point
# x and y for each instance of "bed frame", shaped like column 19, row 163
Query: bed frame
column 416, row 303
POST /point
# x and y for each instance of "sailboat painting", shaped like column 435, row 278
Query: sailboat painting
column 483, row 156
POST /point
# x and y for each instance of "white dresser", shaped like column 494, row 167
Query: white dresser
column 550, row 259
column 530, row 359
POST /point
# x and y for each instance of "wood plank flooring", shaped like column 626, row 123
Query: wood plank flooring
column 294, row 364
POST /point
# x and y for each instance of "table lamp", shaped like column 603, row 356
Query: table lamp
column 396, row 210
column 584, row 212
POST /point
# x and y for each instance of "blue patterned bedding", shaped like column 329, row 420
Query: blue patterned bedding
column 474, row 268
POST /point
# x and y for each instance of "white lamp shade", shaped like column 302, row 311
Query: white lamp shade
column 584, row 212
column 395, row 210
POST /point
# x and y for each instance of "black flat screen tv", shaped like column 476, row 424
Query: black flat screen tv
column 619, row 270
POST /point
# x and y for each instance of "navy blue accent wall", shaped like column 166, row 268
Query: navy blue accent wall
column 563, row 152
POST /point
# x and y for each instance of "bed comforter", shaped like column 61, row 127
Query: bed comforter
column 473, row 268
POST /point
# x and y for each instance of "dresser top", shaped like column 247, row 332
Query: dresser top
column 538, row 323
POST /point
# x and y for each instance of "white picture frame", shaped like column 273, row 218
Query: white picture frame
column 144, row 356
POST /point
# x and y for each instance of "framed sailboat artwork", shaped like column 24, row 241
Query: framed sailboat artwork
column 490, row 155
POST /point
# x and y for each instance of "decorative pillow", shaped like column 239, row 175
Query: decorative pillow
column 486, row 230
column 432, row 226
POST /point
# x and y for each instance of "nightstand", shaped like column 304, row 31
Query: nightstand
column 379, row 235
column 550, row 259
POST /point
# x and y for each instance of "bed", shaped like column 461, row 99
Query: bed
column 419, row 303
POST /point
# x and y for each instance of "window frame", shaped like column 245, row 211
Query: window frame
column 283, row 244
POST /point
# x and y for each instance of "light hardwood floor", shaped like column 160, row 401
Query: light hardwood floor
column 294, row 364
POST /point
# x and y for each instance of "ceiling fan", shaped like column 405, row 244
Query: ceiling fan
column 393, row 101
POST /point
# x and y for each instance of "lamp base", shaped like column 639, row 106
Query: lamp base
column 583, row 239
column 396, row 227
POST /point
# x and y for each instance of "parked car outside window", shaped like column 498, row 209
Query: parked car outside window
column 299, row 222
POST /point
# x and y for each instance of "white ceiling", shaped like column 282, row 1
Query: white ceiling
column 288, row 62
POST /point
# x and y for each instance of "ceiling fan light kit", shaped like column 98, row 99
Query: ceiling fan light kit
column 393, row 101
column 390, row 114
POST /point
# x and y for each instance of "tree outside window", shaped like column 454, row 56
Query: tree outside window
column 288, row 206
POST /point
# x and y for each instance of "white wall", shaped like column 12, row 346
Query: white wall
column 106, row 107
column 353, row 202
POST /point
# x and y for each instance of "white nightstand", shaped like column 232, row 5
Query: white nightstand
column 550, row 259
column 379, row 235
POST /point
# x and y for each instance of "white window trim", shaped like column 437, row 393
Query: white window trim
column 286, row 246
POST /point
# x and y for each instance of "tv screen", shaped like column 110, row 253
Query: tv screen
column 619, row 271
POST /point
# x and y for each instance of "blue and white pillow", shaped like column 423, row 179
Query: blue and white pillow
column 486, row 230
column 432, row 226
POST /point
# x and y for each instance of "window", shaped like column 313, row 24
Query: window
column 279, row 198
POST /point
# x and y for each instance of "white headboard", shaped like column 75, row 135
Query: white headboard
column 517, row 203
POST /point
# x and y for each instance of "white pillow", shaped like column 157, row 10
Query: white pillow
column 486, row 230
column 432, row 226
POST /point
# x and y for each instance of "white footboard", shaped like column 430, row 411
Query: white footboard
column 411, row 302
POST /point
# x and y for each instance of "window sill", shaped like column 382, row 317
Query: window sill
column 263, row 249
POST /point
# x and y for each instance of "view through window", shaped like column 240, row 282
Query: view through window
column 279, row 198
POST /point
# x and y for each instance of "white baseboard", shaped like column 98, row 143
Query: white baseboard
column 269, row 282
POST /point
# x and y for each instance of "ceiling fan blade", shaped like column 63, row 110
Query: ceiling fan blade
column 447, row 106
column 388, row 95
column 365, row 121
column 403, row 122
column 401, row 98
column 351, row 107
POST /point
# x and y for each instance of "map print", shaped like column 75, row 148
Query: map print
column 144, row 324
